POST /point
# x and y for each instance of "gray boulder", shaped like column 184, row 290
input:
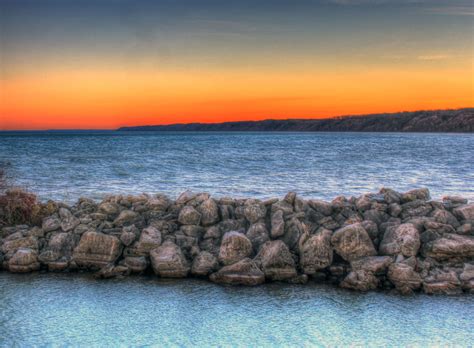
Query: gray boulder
column 209, row 212
column 405, row 240
column 204, row 263
column 275, row 259
column 244, row 272
column 315, row 251
column 96, row 250
column 352, row 242
column 168, row 261
column 23, row 261
column 235, row 246
column 189, row 216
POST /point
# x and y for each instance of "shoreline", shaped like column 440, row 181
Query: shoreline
column 379, row 241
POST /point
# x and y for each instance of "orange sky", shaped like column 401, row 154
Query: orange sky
column 95, row 64
column 111, row 98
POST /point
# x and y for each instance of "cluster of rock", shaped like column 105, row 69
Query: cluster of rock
column 385, row 240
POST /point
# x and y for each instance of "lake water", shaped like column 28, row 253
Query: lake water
column 55, row 309
column 318, row 165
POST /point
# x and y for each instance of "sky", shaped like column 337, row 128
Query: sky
column 103, row 64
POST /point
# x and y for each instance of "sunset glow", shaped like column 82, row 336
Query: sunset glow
column 58, row 72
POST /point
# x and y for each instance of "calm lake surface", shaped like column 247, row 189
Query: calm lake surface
column 317, row 165
column 55, row 309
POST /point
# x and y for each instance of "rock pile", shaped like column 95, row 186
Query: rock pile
column 387, row 240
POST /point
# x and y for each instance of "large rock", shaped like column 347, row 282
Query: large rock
column 109, row 208
column 209, row 212
column 96, row 250
column 255, row 212
column 467, row 277
column 61, row 245
column 258, row 234
column 352, row 242
column 125, row 218
column 315, row 251
column 235, row 246
column 374, row 264
column 278, row 224
column 360, row 280
column 204, row 263
column 465, row 212
column 10, row 247
column 168, row 261
column 68, row 221
column 23, row 261
column 51, row 223
column 244, row 272
column 150, row 239
column 404, row 278
column 276, row 261
column 450, row 246
column 442, row 282
column 405, row 240
column 416, row 194
column 189, row 216
column 136, row 264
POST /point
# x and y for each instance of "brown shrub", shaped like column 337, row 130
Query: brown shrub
column 17, row 207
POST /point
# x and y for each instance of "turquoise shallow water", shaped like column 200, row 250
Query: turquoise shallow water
column 72, row 309
column 316, row 165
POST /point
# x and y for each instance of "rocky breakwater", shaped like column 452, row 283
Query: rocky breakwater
column 385, row 240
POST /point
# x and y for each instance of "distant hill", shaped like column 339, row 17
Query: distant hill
column 461, row 120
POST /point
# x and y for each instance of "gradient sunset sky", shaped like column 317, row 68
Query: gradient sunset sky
column 105, row 64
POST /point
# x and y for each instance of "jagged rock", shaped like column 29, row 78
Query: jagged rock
column 24, row 260
column 126, row 217
column 209, row 212
column 360, row 280
column 128, row 235
column 109, row 209
column 189, row 216
column 258, row 234
column 278, row 224
column 185, row 197
column 416, row 194
column 442, row 282
column 136, row 264
column 61, row 245
column 158, row 203
column 244, row 272
column 51, row 223
column 352, row 242
column 255, row 212
column 168, row 261
column 112, row 271
column 192, row 231
column 394, row 209
column 467, row 277
column 234, row 247
column 374, row 264
column 204, row 263
column 68, row 221
column 404, row 239
column 95, row 250
column 450, row 246
column 150, row 239
column 322, row 207
column 391, row 196
column 9, row 247
column 465, row 212
column 293, row 231
column 212, row 232
column 275, row 259
column 315, row 251
column 404, row 277
column 445, row 217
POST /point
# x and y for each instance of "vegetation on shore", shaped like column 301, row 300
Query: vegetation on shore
column 460, row 120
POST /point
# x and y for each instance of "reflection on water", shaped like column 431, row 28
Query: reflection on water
column 319, row 165
column 73, row 309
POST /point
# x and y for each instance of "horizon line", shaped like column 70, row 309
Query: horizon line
column 226, row 122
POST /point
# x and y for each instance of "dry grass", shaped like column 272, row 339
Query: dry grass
column 17, row 205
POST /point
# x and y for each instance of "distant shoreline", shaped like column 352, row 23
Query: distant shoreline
column 446, row 121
